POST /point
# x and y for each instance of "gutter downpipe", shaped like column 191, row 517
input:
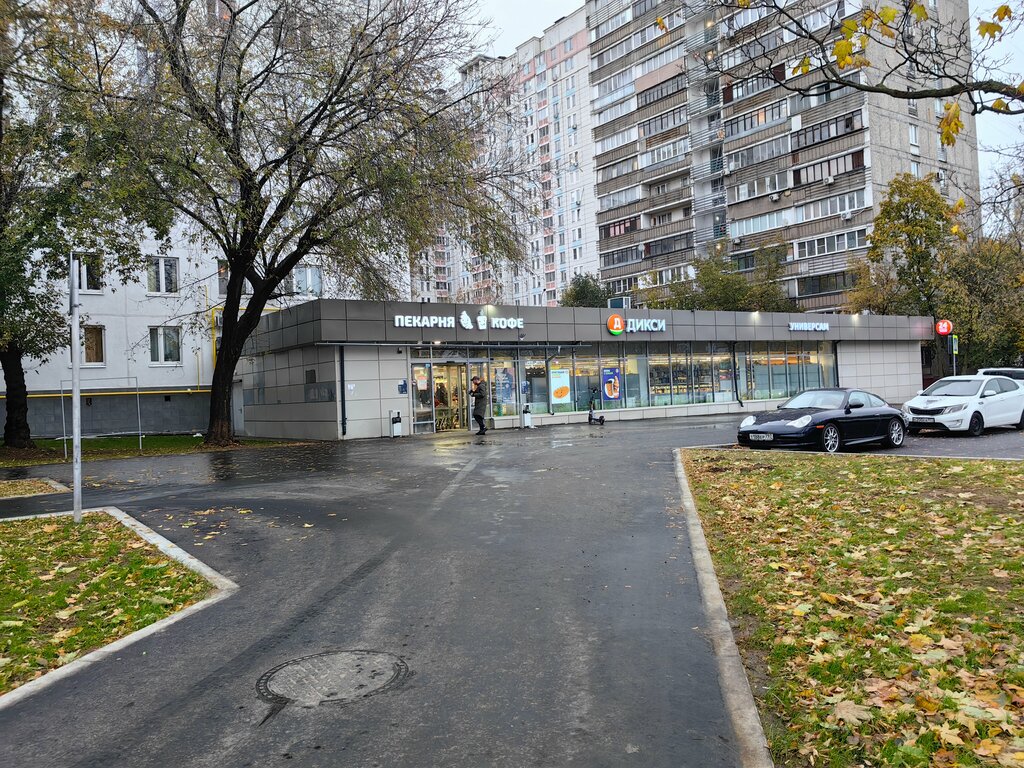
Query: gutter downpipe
column 339, row 372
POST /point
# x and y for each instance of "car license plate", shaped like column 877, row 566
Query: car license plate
column 761, row 436
column 924, row 419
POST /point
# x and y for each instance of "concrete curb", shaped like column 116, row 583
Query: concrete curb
column 225, row 588
column 739, row 701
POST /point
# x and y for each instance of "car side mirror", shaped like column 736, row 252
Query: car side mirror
column 856, row 405
column 920, row 391
column 779, row 406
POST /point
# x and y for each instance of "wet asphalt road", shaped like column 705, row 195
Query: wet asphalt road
column 537, row 585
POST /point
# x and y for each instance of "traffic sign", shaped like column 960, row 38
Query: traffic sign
column 944, row 327
column 956, row 344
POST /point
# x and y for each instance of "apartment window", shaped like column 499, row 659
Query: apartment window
column 830, row 206
column 616, row 199
column 162, row 274
column 834, row 167
column 618, row 110
column 912, row 107
column 616, row 140
column 663, row 122
column 665, row 152
column 662, row 90
column 758, row 153
column 659, row 219
column 619, row 228
column 567, row 46
column 836, row 282
column 755, row 224
column 165, row 345
column 620, row 168
column 821, row 246
column 914, row 141
column 759, row 118
column 309, row 280
column 669, row 245
column 223, row 273
column 915, row 169
column 93, row 338
column 90, row 273
column 829, row 129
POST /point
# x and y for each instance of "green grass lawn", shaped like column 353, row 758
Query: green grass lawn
column 68, row 589
column 879, row 602
column 52, row 451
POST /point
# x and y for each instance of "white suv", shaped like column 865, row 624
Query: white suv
column 967, row 404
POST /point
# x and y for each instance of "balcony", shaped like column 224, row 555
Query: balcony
column 668, row 199
column 707, row 234
column 707, row 169
column 712, row 134
column 704, row 203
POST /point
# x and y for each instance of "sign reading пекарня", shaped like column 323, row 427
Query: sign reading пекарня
column 482, row 322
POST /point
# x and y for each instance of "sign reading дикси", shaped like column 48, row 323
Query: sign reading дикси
column 483, row 322
column 617, row 324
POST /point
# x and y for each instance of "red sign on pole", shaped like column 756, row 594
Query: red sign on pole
column 944, row 327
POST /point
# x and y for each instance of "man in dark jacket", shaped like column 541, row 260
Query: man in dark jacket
column 479, row 395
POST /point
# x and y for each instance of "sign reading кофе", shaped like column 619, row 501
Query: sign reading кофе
column 482, row 323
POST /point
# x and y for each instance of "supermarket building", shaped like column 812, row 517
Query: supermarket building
column 334, row 369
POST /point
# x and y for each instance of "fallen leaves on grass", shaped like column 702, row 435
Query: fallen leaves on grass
column 10, row 488
column 66, row 589
column 883, row 597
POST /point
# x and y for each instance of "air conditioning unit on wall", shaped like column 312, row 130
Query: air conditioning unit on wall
column 847, row 215
column 774, row 197
column 830, row 180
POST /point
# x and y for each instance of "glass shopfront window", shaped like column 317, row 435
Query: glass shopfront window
column 560, row 389
column 613, row 384
column 503, row 387
column 660, row 372
column 533, row 372
column 777, row 365
column 827, row 357
column 703, row 374
column 586, row 380
column 721, row 355
column 759, row 374
column 635, row 374
column 682, row 392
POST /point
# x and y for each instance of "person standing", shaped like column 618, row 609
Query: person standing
column 479, row 395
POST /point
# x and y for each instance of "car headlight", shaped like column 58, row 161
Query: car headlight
column 954, row 408
column 747, row 422
column 905, row 408
column 803, row 421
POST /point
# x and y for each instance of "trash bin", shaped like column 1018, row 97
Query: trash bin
column 396, row 423
column 526, row 418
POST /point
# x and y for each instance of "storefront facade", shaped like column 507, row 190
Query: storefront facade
column 345, row 369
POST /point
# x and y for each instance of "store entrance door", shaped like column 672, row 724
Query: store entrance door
column 451, row 397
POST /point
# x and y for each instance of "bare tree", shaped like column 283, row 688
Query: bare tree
column 287, row 129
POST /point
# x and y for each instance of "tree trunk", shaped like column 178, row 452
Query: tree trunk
column 220, row 430
column 16, row 430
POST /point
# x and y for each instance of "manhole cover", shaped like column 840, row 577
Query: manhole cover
column 333, row 677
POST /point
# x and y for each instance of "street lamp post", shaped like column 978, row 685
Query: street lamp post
column 76, row 388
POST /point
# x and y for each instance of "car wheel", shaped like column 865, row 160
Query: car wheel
column 831, row 440
column 977, row 425
column 1020, row 424
column 895, row 434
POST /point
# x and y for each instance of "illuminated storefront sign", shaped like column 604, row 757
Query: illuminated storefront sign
column 617, row 324
column 808, row 326
column 481, row 323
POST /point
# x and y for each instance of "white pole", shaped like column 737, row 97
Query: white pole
column 76, row 391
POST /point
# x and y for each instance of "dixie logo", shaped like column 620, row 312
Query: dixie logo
column 616, row 325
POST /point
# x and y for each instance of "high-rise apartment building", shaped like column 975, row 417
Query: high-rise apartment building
column 551, row 125
column 696, row 149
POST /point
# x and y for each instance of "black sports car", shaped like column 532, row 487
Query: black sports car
column 827, row 419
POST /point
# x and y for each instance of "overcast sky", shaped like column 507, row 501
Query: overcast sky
column 513, row 21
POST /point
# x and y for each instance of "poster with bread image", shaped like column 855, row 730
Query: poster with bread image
column 610, row 384
column 561, row 391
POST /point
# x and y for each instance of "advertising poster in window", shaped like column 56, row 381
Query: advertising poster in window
column 611, row 386
column 561, row 391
